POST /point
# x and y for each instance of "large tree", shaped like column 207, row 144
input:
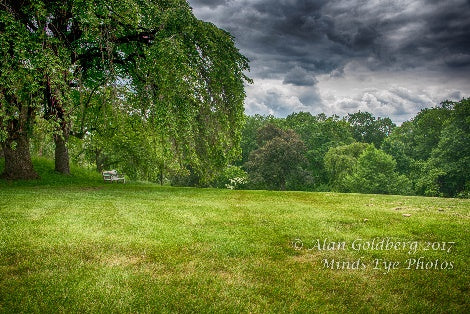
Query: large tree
column 368, row 129
column 19, row 93
column 341, row 161
column 446, row 172
column 375, row 172
column 279, row 159
column 187, row 73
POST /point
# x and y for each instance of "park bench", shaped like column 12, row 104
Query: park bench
column 113, row 176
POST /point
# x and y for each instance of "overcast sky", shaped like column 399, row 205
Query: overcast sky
column 389, row 57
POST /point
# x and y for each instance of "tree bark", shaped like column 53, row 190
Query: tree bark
column 18, row 164
column 98, row 161
column 55, row 111
column 62, row 164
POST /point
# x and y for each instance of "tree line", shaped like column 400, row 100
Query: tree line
column 427, row 155
column 147, row 88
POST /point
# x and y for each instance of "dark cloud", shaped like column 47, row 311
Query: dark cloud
column 323, row 36
column 208, row 3
column 297, row 41
column 458, row 60
column 299, row 77
column 365, row 37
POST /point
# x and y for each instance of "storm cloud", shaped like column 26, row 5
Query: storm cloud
column 341, row 56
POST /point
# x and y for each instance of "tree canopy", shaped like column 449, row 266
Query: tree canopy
column 279, row 159
column 368, row 129
column 426, row 155
column 185, row 77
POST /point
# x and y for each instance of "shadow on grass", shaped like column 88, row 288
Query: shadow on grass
column 49, row 177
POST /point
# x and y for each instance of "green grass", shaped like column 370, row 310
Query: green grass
column 75, row 244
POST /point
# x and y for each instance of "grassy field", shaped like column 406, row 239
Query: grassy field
column 76, row 244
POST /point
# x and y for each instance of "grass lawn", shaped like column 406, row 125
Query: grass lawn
column 76, row 244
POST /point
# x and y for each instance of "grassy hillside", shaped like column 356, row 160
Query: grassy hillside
column 75, row 244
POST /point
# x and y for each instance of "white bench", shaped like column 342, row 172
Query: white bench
column 113, row 176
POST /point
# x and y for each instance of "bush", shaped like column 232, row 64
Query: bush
column 375, row 173
column 232, row 177
column 340, row 161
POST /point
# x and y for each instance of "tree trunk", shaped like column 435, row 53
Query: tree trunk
column 98, row 160
column 162, row 168
column 61, row 154
column 18, row 164
column 55, row 111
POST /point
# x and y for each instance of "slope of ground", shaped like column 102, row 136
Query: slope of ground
column 78, row 245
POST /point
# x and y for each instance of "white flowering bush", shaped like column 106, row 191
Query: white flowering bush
column 235, row 182
column 231, row 177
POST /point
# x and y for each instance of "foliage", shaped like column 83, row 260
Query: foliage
column 341, row 161
column 319, row 134
column 368, row 129
column 80, row 176
column 185, row 77
column 398, row 146
column 426, row 151
column 232, row 177
column 427, row 181
column 279, row 159
column 446, row 173
column 236, row 183
column 375, row 173
column 427, row 127
column 431, row 149
column 250, row 129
